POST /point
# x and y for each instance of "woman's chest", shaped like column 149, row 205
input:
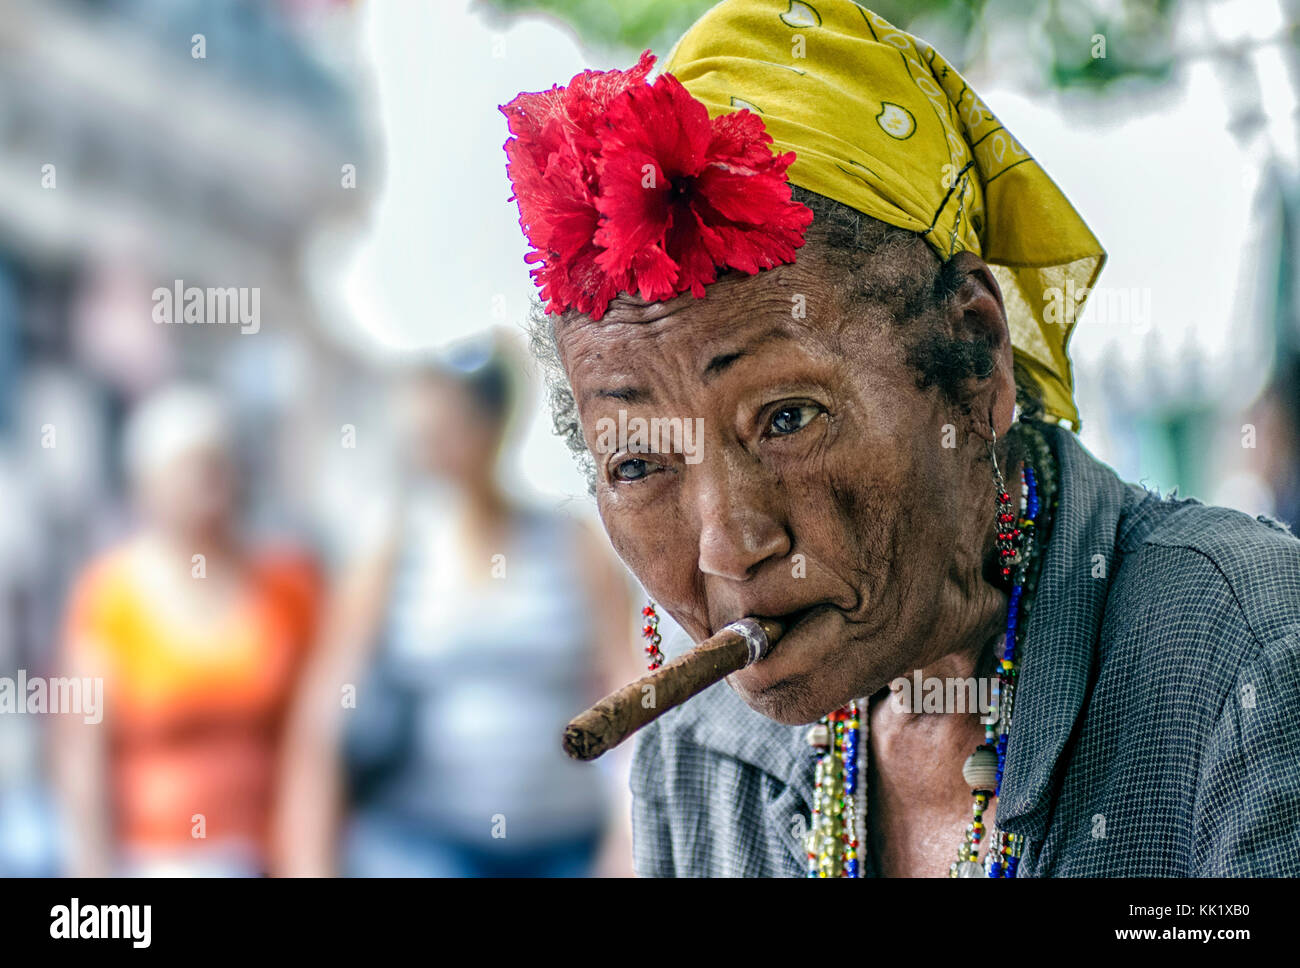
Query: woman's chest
column 910, row 834
column 917, row 847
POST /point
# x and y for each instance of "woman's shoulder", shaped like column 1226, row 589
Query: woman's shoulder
column 1210, row 563
column 102, row 590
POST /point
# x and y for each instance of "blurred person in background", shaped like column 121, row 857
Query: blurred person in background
column 478, row 628
column 1276, row 458
column 200, row 637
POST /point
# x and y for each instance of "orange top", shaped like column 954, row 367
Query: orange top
column 194, row 710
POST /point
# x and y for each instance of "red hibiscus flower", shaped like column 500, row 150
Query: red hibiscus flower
column 627, row 186
column 553, row 170
column 682, row 196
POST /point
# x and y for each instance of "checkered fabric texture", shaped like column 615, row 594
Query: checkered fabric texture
column 1157, row 722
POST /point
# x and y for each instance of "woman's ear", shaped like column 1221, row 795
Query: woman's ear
column 976, row 313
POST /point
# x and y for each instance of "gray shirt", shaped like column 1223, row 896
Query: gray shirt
column 1157, row 723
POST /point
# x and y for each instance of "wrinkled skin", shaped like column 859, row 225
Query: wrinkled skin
column 820, row 456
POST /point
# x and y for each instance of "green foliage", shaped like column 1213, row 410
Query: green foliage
column 1138, row 33
column 638, row 24
column 618, row 23
column 1136, row 37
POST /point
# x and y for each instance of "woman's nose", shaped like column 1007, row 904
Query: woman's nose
column 740, row 527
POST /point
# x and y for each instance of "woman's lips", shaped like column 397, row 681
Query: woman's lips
column 795, row 654
column 793, row 623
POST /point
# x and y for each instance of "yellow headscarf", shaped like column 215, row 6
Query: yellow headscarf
column 880, row 122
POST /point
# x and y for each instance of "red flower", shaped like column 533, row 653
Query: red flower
column 553, row 170
column 683, row 196
column 627, row 186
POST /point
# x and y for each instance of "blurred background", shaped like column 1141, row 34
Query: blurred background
column 330, row 175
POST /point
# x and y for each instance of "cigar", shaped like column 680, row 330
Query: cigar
column 622, row 713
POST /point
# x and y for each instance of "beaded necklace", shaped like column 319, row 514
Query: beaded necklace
column 835, row 842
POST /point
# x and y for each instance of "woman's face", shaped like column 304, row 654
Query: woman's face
column 448, row 434
column 824, row 490
column 193, row 494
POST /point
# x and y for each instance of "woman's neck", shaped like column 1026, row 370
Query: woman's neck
column 918, row 744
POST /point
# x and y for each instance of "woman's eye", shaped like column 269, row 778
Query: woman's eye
column 631, row 470
column 788, row 420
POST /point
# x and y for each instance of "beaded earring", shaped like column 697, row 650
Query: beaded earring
column 1010, row 541
column 984, row 768
column 650, row 632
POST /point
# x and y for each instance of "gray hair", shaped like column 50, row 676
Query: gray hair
column 559, row 393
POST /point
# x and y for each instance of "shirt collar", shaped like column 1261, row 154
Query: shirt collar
column 1064, row 624
column 719, row 720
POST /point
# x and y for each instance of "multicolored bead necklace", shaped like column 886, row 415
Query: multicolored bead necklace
column 836, row 835
column 835, row 843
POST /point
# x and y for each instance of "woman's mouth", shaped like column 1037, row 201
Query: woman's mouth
column 793, row 623
column 793, row 663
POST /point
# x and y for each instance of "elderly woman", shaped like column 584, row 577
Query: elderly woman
column 811, row 235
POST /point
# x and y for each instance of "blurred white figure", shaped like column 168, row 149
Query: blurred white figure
column 482, row 627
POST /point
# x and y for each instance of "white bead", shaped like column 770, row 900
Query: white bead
column 981, row 769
